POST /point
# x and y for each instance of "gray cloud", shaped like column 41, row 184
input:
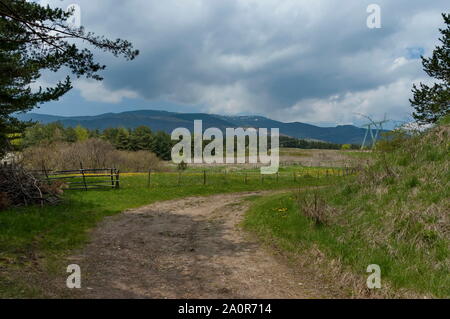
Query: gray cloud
column 293, row 60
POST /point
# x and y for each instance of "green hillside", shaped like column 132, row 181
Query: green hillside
column 395, row 213
column 168, row 121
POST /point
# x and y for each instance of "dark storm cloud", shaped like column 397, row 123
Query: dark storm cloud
column 294, row 59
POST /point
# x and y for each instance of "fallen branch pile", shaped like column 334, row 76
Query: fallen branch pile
column 19, row 187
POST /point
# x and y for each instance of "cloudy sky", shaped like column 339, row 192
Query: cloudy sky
column 313, row 61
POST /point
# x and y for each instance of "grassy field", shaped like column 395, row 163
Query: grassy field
column 364, row 155
column 299, row 157
column 395, row 215
column 195, row 174
column 404, row 266
column 36, row 235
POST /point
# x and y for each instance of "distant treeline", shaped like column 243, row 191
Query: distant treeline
column 292, row 142
column 139, row 139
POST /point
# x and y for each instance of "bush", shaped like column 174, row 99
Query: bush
column 182, row 166
column 91, row 153
column 139, row 139
column 315, row 208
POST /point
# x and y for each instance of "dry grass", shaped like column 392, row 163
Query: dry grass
column 394, row 214
column 321, row 252
column 325, row 158
column 315, row 207
column 346, row 280
column 92, row 153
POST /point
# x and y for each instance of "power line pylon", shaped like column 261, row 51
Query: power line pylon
column 371, row 126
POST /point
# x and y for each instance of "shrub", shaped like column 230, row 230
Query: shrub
column 91, row 153
column 392, row 141
column 315, row 208
column 182, row 166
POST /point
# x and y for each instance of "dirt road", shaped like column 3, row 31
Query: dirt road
column 187, row 248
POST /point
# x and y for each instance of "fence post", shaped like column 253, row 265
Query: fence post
column 117, row 179
column 149, row 178
column 112, row 178
column 84, row 177
column 204, row 177
column 45, row 172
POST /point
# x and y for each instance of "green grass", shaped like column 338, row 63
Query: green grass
column 53, row 231
column 395, row 214
column 278, row 219
column 285, row 171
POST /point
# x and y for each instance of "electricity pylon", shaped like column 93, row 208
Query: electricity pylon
column 371, row 126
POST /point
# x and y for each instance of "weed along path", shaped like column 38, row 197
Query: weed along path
column 186, row 248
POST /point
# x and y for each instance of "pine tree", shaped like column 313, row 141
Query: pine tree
column 433, row 102
column 141, row 138
column 122, row 139
column 161, row 145
column 70, row 135
column 34, row 38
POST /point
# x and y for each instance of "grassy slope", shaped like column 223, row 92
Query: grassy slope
column 395, row 214
column 31, row 235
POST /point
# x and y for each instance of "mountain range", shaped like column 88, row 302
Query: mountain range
column 168, row 121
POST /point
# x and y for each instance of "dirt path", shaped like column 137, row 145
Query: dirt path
column 187, row 248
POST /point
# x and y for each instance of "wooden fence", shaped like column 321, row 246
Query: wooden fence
column 83, row 179
column 204, row 177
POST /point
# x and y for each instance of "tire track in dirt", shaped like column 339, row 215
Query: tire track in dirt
column 186, row 248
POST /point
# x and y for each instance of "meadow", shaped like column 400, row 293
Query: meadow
column 37, row 236
column 391, row 211
column 406, row 268
column 393, row 214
